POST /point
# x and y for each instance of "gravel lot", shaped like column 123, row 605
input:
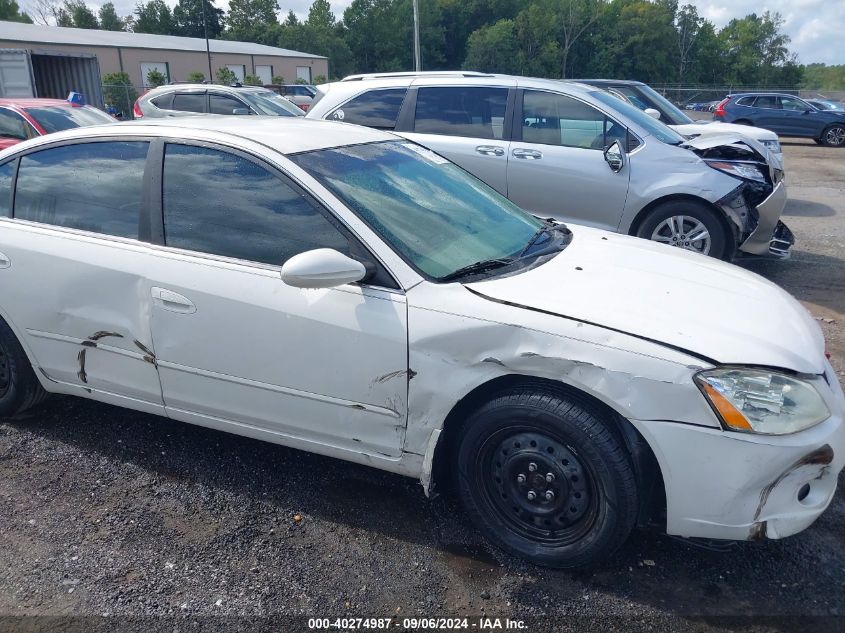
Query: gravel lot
column 106, row 511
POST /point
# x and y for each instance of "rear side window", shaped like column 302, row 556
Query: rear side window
column 221, row 104
column 376, row 108
column 13, row 125
column 92, row 186
column 164, row 102
column 6, row 173
column 461, row 111
column 189, row 102
column 219, row 203
column 766, row 101
column 745, row 101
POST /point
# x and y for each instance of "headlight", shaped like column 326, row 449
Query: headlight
column 738, row 170
column 762, row 401
column 772, row 145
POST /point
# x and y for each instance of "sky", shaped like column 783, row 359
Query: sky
column 815, row 26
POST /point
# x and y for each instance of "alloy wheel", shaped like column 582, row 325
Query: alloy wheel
column 683, row 231
column 835, row 136
column 538, row 486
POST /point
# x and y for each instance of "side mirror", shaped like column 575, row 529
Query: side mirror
column 240, row 111
column 615, row 156
column 654, row 114
column 322, row 268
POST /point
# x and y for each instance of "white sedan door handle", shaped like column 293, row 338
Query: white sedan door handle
column 172, row 301
column 5, row 262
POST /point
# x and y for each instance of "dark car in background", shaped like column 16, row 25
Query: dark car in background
column 785, row 114
column 176, row 100
column 22, row 119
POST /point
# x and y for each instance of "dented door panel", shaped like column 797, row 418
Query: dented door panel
column 323, row 365
column 81, row 302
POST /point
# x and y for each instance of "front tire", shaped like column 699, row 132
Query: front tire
column 544, row 478
column 834, row 135
column 19, row 387
column 689, row 225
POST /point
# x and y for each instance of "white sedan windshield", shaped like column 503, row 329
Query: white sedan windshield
column 437, row 216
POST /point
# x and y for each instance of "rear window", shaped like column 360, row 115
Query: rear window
column 90, row 186
column 376, row 108
column 164, row 101
column 58, row 118
column 476, row 112
column 189, row 102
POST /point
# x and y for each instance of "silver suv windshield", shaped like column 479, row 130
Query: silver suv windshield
column 268, row 102
column 440, row 219
column 654, row 127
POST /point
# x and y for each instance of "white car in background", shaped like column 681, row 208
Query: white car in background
column 656, row 105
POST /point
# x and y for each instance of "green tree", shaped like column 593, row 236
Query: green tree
column 688, row 25
column 11, row 12
column 278, row 80
column 188, row 18
column 196, row 77
column 154, row 17
column 320, row 15
column 493, row 48
column 109, row 20
column 574, row 17
column 155, row 78
column 75, row 13
column 225, row 76
column 320, row 79
column 119, row 92
column 252, row 20
column 755, row 49
column 253, row 80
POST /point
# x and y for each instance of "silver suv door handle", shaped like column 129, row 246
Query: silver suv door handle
column 490, row 150
column 527, row 154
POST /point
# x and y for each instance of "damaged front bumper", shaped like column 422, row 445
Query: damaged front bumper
column 737, row 486
column 760, row 229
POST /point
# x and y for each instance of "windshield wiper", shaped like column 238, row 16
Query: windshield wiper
column 479, row 267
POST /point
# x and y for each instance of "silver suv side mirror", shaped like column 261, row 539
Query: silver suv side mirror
column 615, row 156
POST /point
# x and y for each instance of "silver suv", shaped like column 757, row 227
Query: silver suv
column 577, row 153
column 193, row 99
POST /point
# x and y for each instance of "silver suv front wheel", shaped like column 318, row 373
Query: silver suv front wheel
column 690, row 225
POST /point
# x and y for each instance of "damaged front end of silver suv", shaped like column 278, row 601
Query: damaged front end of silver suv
column 756, row 204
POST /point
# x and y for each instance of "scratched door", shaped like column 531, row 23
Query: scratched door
column 74, row 287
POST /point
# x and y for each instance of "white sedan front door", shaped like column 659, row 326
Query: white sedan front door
column 235, row 345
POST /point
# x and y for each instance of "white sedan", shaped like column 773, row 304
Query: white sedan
column 344, row 291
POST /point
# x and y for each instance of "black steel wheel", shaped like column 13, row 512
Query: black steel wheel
column 545, row 477
column 19, row 387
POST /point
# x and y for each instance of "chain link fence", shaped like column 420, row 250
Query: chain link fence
column 119, row 99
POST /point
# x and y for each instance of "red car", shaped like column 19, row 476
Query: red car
column 22, row 119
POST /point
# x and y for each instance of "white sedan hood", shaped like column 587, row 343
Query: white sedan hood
column 717, row 127
column 714, row 310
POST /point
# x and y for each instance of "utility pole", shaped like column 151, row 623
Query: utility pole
column 207, row 46
column 417, row 60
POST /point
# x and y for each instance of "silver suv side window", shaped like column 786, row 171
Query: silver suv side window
column 476, row 112
column 374, row 108
column 189, row 102
column 89, row 186
column 554, row 119
column 224, row 104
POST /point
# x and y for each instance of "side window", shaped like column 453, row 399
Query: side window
column 767, row 101
column 219, row 203
column 461, row 111
column 6, row 173
column 164, row 102
column 13, row 125
column 555, row 119
column 223, row 104
column 91, row 186
column 376, row 108
column 189, row 101
column 745, row 101
column 793, row 104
